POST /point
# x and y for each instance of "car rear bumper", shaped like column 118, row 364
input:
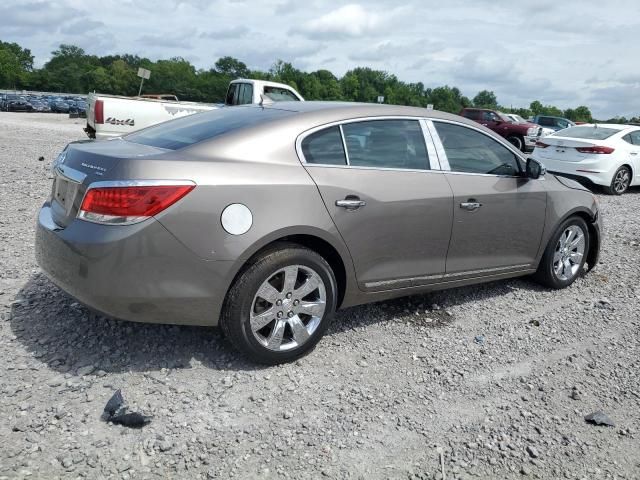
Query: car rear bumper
column 588, row 169
column 135, row 272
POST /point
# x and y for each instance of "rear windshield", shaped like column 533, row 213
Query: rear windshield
column 196, row 128
column 590, row 132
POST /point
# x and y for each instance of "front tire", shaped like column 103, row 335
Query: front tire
column 516, row 141
column 620, row 182
column 280, row 305
column 564, row 258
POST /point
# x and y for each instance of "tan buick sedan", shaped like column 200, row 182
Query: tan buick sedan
column 266, row 219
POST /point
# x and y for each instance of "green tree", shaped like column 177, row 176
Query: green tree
column 536, row 107
column 15, row 65
column 582, row 114
column 232, row 67
column 485, row 99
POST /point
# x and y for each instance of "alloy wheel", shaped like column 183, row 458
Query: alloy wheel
column 569, row 253
column 621, row 180
column 288, row 308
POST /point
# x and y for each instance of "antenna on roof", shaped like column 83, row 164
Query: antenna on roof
column 264, row 100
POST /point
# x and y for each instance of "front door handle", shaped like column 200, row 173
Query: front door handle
column 471, row 205
column 634, row 153
column 351, row 203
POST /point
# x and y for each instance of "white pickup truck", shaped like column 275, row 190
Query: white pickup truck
column 113, row 116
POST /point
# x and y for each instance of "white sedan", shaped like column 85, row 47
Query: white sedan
column 605, row 154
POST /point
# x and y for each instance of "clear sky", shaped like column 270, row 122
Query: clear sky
column 561, row 52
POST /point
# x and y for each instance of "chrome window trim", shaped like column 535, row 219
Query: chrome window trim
column 344, row 146
column 431, row 149
column 302, row 136
column 359, row 167
column 441, row 151
column 442, row 155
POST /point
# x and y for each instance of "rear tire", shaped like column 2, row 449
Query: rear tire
column 620, row 181
column 280, row 305
column 516, row 141
column 564, row 258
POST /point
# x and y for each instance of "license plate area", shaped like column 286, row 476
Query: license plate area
column 64, row 193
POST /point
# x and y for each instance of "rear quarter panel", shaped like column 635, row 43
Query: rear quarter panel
column 265, row 176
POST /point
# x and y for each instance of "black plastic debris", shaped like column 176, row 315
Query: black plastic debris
column 41, row 159
column 114, row 404
column 599, row 418
column 115, row 411
column 131, row 420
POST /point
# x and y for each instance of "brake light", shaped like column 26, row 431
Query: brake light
column 540, row 144
column 129, row 204
column 98, row 111
column 598, row 149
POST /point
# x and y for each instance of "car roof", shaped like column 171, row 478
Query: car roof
column 264, row 83
column 325, row 112
column 613, row 126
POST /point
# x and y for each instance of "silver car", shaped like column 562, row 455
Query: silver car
column 266, row 219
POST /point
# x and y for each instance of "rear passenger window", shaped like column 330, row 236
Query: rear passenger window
column 470, row 151
column 324, row 147
column 635, row 137
column 386, row 144
column 246, row 94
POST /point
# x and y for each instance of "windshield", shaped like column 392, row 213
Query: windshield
column 193, row 129
column 518, row 118
column 504, row 117
column 591, row 132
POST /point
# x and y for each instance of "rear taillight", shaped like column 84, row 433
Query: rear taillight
column 540, row 144
column 129, row 204
column 598, row 149
column 98, row 111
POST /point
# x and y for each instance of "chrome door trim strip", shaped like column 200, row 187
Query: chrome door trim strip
column 487, row 270
column 410, row 280
column 446, row 276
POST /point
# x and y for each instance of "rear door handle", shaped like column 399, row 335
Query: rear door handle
column 351, row 203
column 634, row 153
column 471, row 206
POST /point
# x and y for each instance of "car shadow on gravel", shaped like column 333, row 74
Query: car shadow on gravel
column 66, row 336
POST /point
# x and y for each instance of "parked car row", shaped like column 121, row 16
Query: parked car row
column 595, row 154
column 13, row 102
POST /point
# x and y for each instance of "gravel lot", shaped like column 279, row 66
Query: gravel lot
column 490, row 381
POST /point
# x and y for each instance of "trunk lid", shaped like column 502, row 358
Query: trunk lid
column 84, row 163
column 564, row 149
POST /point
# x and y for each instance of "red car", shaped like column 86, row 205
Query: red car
column 522, row 135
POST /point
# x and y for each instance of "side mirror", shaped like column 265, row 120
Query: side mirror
column 535, row 169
